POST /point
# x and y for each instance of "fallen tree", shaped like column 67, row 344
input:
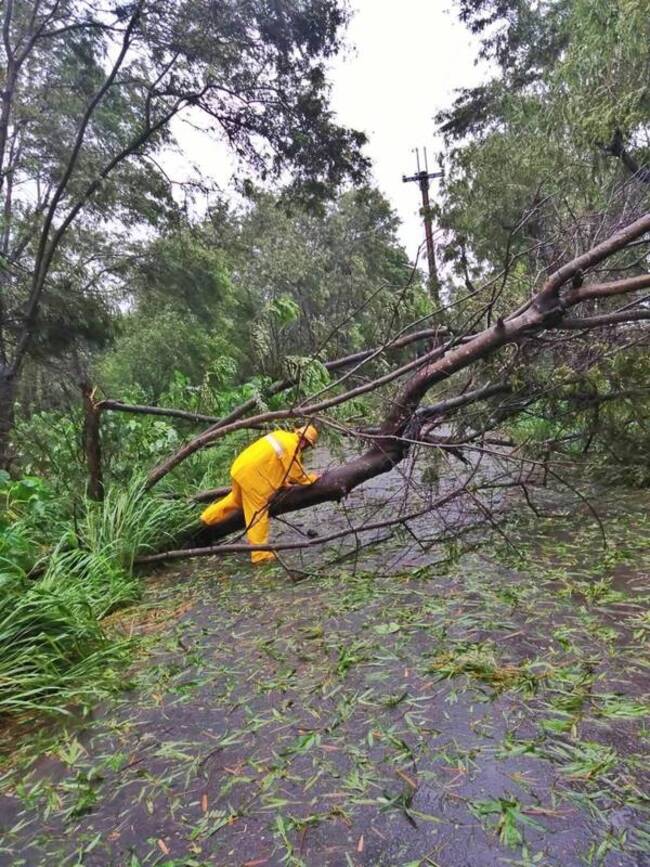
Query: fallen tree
column 552, row 309
column 94, row 408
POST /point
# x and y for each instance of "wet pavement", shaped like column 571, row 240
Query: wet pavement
column 401, row 708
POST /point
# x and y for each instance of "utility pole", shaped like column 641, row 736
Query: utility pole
column 423, row 177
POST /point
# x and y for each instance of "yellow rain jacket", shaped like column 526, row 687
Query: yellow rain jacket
column 267, row 465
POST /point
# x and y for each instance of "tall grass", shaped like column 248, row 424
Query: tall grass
column 130, row 521
column 52, row 647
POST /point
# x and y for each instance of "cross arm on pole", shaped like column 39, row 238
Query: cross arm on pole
column 421, row 176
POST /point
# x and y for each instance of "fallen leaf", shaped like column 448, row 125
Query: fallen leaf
column 387, row 628
column 360, row 844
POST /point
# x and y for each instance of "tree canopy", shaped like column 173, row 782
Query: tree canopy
column 79, row 181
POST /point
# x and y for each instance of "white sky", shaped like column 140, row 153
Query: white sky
column 410, row 57
column 404, row 61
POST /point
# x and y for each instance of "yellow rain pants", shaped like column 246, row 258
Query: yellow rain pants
column 267, row 465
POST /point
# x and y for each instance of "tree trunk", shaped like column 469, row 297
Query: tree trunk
column 7, row 399
column 92, row 443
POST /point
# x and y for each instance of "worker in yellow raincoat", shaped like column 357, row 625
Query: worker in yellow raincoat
column 268, row 464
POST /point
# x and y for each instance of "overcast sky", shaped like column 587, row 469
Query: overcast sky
column 404, row 61
column 409, row 58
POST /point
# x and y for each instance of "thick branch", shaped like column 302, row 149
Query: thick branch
column 607, row 290
column 607, row 248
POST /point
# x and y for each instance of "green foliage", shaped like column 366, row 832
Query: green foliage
column 50, row 447
column 318, row 285
column 505, row 816
column 283, row 310
column 604, row 72
column 569, row 74
column 28, row 520
column 603, row 415
column 310, row 374
column 51, row 647
column 530, row 181
column 60, row 576
column 90, row 97
column 186, row 271
column 154, row 347
column 324, row 283
column 131, row 521
column 50, row 441
column 51, row 644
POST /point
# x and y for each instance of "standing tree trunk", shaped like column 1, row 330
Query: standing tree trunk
column 7, row 398
column 92, row 443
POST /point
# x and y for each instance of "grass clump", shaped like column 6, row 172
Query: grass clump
column 54, row 594
column 479, row 662
column 51, row 647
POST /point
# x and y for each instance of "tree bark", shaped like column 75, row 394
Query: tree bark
column 92, row 443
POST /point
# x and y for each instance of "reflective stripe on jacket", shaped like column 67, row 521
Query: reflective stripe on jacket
column 269, row 463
